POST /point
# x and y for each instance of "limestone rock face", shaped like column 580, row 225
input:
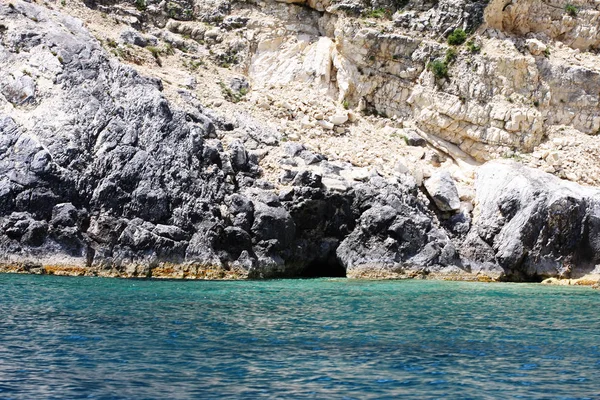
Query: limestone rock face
column 533, row 224
column 502, row 92
column 576, row 27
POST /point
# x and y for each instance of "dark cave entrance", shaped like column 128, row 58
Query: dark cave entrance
column 330, row 268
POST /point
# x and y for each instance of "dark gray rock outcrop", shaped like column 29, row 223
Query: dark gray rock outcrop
column 100, row 174
column 98, row 170
column 395, row 235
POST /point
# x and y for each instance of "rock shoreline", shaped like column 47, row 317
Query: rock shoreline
column 190, row 272
column 101, row 175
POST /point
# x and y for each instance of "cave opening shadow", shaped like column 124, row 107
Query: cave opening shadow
column 330, row 268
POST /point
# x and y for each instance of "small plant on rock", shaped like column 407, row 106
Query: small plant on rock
column 473, row 47
column 188, row 14
column 141, row 5
column 547, row 52
column 571, row 10
column 438, row 68
column 155, row 51
column 457, row 37
column 195, row 64
column 231, row 95
column 168, row 50
column 378, row 13
column 450, row 56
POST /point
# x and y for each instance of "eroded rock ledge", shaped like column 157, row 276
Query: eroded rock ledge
column 101, row 175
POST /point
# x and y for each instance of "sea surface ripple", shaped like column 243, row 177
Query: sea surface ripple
column 95, row 338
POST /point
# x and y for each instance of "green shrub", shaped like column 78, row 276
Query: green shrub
column 571, row 10
column 457, row 37
column 378, row 13
column 473, row 47
column 168, row 50
column 140, row 5
column 450, row 56
column 438, row 68
column 230, row 95
column 195, row 64
column 154, row 50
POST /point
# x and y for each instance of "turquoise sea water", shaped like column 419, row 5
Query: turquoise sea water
column 93, row 338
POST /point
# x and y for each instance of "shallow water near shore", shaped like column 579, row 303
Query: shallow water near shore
column 98, row 338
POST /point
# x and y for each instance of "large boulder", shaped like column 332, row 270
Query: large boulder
column 395, row 235
column 442, row 190
column 532, row 224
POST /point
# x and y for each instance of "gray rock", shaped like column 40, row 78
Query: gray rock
column 287, row 176
column 18, row 90
column 234, row 22
column 443, row 191
column 238, row 156
column 533, row 224
column 413, row 138
column 135, row 38
column 311, row 158
column 307, row 178
column 395, row 233
column 239, row 84
column 293, row 148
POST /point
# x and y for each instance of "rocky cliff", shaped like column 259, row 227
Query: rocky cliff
column 263, row 139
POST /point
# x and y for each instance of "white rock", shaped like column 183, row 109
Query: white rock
column 401, row 168
column 339, row 119
column 553, row 158
column 466, row 207
column 306, row 122
column 213, row 33
column 442, row 189
column 356, row 174
column 334, row 184
column 535, row 47
column 325, row 124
